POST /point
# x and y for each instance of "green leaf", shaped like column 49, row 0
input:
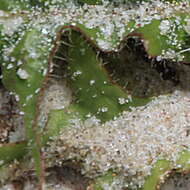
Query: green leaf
column 101, row 181
column 12, row 151
column 25, row 79
column 157, row 172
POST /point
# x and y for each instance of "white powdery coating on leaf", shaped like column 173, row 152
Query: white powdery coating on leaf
column 110, row 21
column 57, row 96
column 132, row 143
column 187, row 26
column 10, row 24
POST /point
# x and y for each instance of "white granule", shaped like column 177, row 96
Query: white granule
column 164, row 27
column 132, row 143
column 10, row 66
column 22, row 73
column 187, row 26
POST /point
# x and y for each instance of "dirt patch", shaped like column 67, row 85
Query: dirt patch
column 11, row 119
column 57, row 178
column 177, row 181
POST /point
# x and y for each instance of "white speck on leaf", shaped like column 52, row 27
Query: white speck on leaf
column 22, row 74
